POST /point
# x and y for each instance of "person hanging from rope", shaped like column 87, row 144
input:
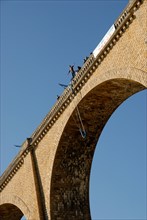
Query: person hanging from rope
column 72, row 71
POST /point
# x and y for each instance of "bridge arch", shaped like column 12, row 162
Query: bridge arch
column 69, row 194
column 12, row 207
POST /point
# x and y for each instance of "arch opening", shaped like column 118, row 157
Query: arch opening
column 9, row 211
column 71, row 172
column 118, row 173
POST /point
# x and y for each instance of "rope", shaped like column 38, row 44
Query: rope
column 81, row 126
column 79, row 123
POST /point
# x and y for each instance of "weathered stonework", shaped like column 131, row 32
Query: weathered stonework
column 49, row 178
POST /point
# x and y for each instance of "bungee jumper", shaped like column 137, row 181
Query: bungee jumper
column 72, row 71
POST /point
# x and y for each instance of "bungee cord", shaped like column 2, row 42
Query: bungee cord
column 78, row 122
column 81, row 125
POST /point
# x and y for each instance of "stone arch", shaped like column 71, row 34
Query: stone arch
column 12, row 207
column 128, row 73
column 10, row 211
column 69, row 194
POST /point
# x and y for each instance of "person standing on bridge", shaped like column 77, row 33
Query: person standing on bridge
column 72, row 71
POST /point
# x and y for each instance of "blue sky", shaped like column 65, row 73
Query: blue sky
column 39, row 39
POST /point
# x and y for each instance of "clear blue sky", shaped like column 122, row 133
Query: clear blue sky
column 39, row 39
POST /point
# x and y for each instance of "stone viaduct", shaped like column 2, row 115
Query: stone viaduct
column 49, row 178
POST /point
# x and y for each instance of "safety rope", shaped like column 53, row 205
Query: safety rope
column 81, row 128
column 80, row 123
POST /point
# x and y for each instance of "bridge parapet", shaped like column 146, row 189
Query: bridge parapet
column 92, row 63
